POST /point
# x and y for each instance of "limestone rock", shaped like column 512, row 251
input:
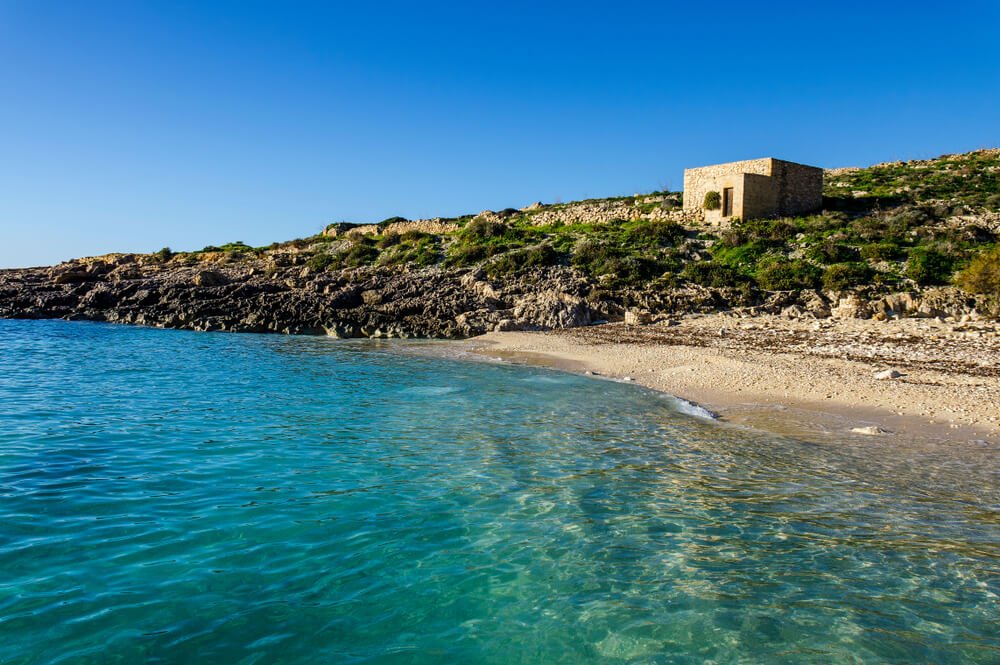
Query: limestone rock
column 209, row 278
column 635, row 317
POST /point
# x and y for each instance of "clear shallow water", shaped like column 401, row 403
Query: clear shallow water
column 178, row 497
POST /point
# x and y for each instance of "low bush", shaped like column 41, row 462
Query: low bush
column 758, row 233
column 421, row 250
column 713, row 274
column 164, row 254
column 982, row 276
column 655, row 233
column 388, row 240
column 319, row 262
column 844, row 276
column 783, row 275
column 928, row 267
column 532, row 257
column 479, row 230
column 741, row 256
column 713, row 201
column 359, row 254
column 881, row 251
column 596, row 258
column 467, row 254
column 413, row 235
column 829, row 251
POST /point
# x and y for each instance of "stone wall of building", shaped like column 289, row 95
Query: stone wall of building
column 800, row 187
column 699, row 181
column 760, row 196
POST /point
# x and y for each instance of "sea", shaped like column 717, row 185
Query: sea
column 180, row 497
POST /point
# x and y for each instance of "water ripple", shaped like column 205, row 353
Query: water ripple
column 179, row 497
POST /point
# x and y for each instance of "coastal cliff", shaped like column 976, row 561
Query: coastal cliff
column 894, row 240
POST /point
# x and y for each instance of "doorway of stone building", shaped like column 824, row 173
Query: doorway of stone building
column 727, row 201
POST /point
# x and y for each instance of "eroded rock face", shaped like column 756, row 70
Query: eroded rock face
column 363, row 302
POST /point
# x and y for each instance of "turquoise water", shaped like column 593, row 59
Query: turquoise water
column 176, row 497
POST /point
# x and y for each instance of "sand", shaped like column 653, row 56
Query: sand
column 795, row 376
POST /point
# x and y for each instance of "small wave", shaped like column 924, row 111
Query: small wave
column 430, row 391
column 545, row 379
column 692, row 409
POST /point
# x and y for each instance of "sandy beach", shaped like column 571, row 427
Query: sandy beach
column 913, row 377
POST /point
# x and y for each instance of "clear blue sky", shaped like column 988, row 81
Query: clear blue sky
column 128, row 126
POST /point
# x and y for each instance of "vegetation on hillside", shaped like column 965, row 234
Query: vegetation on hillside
column 887, row 227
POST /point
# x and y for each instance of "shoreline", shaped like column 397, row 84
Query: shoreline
column 947, row 389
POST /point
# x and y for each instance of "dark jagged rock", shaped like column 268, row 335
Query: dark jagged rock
column 247, row 297
column 283, row 296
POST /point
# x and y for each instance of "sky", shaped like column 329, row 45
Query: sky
column 130, row 126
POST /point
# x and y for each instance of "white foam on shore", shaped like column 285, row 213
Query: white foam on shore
column 692, row 409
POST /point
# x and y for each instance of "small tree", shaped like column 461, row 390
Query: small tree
column 164, row 254
column 713, row 201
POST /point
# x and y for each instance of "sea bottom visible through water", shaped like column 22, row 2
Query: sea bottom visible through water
column 179, row 497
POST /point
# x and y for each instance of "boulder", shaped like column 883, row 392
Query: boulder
column 210, row 278
column 552, row 309
column 636, row 317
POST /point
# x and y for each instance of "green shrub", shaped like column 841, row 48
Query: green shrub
column 413, row 235
column 783, row 275
column 741, row 256
column 843, row 276
column 982, row 276
column 596, row 258
column 713, row 274
column 359, row 254
column 830, row 251
column 319, row 262
column 929, row 267
column 480, row 229
column 467, row 254
column 655, row 233
column 881, row 251
column 517, row 260
column 420, row 250
column 164, row 255
column 713, row 201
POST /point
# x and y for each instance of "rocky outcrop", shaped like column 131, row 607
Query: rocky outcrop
column 280, row 294
column 252, row 296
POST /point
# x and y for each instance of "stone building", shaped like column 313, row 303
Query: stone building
column 753, row 188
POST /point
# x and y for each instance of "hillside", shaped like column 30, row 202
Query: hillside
column 894, row 239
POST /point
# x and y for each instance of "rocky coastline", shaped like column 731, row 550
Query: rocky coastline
column 400, row 301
